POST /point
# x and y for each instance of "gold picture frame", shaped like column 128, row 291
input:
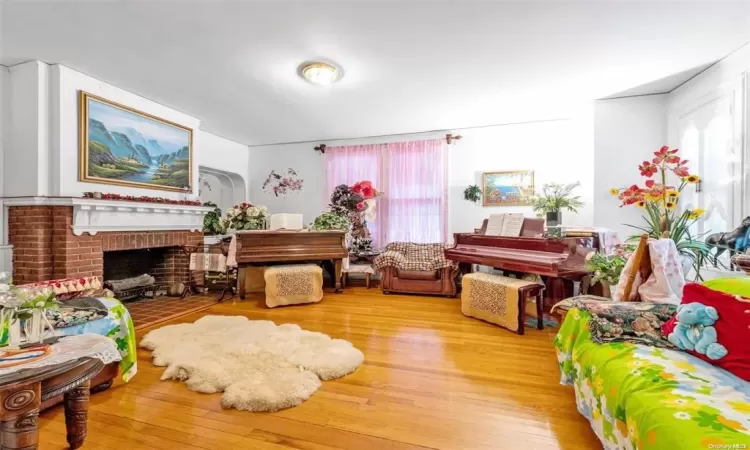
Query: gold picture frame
column 508, row 188
column 140, row 150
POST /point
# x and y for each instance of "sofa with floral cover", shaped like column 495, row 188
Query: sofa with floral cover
column 416, row 269
column 640, row 394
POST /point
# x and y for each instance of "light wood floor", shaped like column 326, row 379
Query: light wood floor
column 432, row 378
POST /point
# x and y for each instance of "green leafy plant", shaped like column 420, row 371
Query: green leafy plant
column 39, row 302
column 212, row 221
column 473, row 193
column 556, row 197
column 605, row 268
column 330, row 221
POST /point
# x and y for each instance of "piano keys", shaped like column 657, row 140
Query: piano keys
column 257, row 248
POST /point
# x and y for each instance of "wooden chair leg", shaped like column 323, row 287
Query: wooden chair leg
column 540, row 310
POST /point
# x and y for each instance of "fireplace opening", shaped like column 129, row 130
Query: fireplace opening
column 133, row 274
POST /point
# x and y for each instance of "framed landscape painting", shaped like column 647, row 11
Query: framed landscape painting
column 515, row 188
column 123, row 146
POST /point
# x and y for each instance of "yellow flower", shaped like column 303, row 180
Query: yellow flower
column 614, row 191
column 671, row 205
column 673, row 193
column 652, row 198
column 692, row 179
column 697, row 213
column 641, row 204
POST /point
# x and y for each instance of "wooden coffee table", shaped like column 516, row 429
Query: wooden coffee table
column 23, row 392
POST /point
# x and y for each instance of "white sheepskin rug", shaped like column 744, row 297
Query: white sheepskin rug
column 259, row 366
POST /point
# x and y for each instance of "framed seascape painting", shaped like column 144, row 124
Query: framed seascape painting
column 123, row 146
column 514, row 188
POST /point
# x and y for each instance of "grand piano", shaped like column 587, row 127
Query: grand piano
column 560, row 262
column 260, row 248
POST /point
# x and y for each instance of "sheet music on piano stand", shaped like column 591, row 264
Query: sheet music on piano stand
column 505, row 224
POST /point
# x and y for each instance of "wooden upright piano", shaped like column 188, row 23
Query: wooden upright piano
column 560, row 262
column 257, row 248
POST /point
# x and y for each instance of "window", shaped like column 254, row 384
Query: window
column 413, row 176
column 708, row 141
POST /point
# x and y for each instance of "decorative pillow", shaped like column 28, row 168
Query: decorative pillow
column 734, row 285
column 732, row 326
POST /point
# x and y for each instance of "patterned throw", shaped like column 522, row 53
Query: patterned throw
column 117, row 326
column 293, row 284
column 492, row 298
column 411, row 256
column 639, row 323
column 649, row 398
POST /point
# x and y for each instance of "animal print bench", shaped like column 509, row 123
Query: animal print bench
column 293, row 284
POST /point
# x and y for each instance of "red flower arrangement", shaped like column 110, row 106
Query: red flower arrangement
column 659, row 200
column 365, row 190
column 144, row 199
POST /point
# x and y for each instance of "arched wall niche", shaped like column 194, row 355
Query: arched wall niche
column 221, row 187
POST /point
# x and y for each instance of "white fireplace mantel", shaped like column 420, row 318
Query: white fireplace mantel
column 95, row 215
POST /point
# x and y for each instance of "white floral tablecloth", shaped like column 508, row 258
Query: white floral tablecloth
column 71, row 348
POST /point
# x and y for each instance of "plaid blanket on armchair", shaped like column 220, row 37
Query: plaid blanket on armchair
column 411, row 256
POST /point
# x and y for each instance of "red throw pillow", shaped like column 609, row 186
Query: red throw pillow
column 732, row 327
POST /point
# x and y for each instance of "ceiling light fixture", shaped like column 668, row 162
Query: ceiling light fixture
column 319, row 73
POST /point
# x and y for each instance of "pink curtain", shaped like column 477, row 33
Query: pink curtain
column 350, row 164
column 413, row 176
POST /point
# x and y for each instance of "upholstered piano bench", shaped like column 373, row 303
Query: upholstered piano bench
column 500, row 300
column 293, row 284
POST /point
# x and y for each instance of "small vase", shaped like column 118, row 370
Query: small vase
column 34, row 327
column 554, row 218
column 14, row 340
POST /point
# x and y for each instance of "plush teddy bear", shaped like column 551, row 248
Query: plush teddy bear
column 694, row 330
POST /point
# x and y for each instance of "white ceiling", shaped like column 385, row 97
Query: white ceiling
column 409, row 66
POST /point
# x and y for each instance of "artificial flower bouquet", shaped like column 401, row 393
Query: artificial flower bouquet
column 352, row 199
column 245, row 216
column 280, row 185
column 659, row 198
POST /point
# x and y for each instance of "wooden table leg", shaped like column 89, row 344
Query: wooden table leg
column 367, row 281
column 241, row 274
column 19, row 427
column 337, row 274
column 76, row 413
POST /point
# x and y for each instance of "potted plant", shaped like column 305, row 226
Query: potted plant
column 245, row 216
column 554, row 199
column 473, row 193
column 330, row 221
column 659, row 200
column 606, row 269
column 212, row 223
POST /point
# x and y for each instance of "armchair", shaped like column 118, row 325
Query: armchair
column 416, row 269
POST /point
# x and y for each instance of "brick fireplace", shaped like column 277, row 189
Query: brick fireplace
column 48, row 245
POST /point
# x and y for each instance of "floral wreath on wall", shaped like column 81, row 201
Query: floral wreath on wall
column 280, row 185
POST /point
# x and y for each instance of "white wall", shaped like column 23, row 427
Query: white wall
column 42, row 136
column 225, row 167
column 558, row 151
column 26, row 158
column 626, row 132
